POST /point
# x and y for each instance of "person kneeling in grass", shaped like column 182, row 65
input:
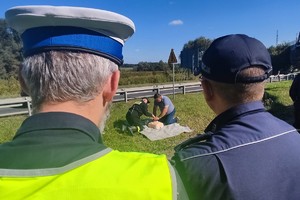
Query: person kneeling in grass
column 134, row 114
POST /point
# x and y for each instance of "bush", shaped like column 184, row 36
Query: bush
column 9, row 87
column 130, row 77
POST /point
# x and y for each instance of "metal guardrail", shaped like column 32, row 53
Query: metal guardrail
column 148, row 91
column 126, row 94
column 282, row 77
column 16, row 103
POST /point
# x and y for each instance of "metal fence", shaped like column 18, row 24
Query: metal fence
column 22, row 105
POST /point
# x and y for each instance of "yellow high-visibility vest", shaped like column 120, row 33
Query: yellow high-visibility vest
column 105, row 175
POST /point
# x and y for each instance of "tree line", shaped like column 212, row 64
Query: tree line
column 10, row 51
column 285, row 56
column 11, row 56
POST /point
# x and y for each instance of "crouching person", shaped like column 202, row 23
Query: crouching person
column 133, row 116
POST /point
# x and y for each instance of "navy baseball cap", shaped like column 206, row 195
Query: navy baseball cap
column 230, row 54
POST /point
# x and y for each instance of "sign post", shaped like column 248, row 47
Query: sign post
column 172, row 60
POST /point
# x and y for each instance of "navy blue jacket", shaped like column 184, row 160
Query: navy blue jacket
column 295, row 89
column 246, row 153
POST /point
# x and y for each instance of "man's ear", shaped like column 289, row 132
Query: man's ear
column 110, row 87
column 207, row 90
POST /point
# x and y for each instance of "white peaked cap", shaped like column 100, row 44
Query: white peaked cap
column 69, row 24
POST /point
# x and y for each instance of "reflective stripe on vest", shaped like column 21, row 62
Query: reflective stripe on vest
column 115, row 175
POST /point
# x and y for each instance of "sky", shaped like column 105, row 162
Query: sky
column 162, row 25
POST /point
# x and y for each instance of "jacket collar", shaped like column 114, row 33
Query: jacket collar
column 60, row 120
column 233, row 112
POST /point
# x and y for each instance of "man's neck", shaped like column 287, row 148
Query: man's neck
column 90, row 110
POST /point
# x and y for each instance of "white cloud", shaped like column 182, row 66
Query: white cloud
column 176, row 22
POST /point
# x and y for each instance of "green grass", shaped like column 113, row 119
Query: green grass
column 9, row 125
column 9, row 88
column 281, row 105
column 129, row 78
column 191, row 108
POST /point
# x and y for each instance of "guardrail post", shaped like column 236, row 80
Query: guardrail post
column 125, row 96
column 157, row 90
column 183, row 89
column 292, row 77
column 28, row 106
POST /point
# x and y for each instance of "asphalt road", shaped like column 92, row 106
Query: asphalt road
column 13, row 110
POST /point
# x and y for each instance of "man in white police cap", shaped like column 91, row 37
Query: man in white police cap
column 245, row 152
column 71, row 72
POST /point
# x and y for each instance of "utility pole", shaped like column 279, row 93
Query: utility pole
column 172, row 60
column 277, row 38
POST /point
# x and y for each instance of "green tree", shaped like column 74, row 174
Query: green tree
column 10, row 56
column 276, row 50
column 281, row 58
column 191, row 54
column 200, row 43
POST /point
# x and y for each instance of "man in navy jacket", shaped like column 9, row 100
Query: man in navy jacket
column 245, row 152
column 295, row 96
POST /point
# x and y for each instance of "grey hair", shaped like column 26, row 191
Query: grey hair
column 60, row 76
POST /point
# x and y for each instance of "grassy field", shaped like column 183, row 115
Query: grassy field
column 191, row 108
column 129, row 78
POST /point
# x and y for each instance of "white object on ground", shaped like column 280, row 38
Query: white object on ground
column 165, row 132
column 155, row 125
